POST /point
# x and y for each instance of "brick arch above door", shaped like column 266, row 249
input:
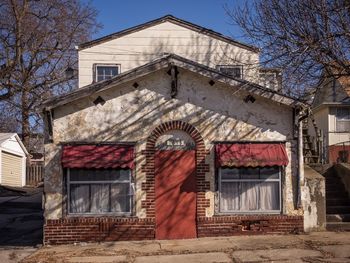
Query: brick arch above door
column 201, row 166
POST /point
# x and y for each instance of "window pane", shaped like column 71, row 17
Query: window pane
column 79, row 198
column 231, row 71
column 249, row 196
column 229, row 196
column 99, row 175
column 120, row 198
column 269, row 196
column 249, row 173
column 343, row 114
column 343, row 126
column 230, row 173
column 252, row 195
column 99, row 198
column 269, row 173
column 106, row 72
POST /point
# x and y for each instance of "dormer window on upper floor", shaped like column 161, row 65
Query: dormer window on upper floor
column 270, row 78
column 235, row 71
column 105, row 71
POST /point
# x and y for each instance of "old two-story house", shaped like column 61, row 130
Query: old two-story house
column 331, row 111
column 170, row 135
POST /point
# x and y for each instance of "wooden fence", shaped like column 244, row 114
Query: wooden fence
column 35, row 174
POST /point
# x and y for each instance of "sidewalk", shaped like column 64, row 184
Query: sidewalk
column 315, row 247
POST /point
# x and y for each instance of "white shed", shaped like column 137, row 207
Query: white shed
column 13, row 157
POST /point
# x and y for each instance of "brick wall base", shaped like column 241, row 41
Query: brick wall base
column 83, row 229
column 249, row 225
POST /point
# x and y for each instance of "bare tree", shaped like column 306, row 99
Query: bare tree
column 8, row 119
column 37, row 40
column 305, row 38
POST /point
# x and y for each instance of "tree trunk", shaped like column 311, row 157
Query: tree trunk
column 25, row 118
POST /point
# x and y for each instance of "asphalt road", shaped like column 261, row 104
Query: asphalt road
column 21, row 224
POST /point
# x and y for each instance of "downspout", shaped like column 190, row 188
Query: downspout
column 302, row 115
column 47, row 116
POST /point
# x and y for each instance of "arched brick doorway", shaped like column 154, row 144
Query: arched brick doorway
column 201, row 167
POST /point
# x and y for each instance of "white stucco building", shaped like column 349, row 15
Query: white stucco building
column 171, row 135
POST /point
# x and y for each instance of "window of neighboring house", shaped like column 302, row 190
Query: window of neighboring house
column 250, row 190
column 343, row 120
column 100, row 191
column 268, row 80
column 235, row 71
column 103, row 72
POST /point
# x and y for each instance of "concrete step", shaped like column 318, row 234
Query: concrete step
column 337, row 201
column 338, row 226
column 338, row 209
column 334, row 182
column 334, row 194
column 338, row 217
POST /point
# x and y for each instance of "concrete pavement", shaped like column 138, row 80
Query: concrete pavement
column 315, row 247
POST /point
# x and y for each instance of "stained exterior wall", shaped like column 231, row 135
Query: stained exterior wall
column 314, row 201
column 130, row 115
column 140, row 47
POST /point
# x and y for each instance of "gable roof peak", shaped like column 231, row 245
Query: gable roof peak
column 172, row 19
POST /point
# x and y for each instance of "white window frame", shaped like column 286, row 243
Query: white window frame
column 341, row 120
column 279, row 180
column 219, row 67
column 131, row 194
column 105, row 65
column 267, row 84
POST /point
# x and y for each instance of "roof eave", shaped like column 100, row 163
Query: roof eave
column 165, row 62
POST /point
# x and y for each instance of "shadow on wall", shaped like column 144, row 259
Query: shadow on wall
column 138, row 111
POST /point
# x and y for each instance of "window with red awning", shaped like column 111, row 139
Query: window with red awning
column 251, row 154
column 98, row 156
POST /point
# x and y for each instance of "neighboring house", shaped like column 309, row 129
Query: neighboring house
column 170, row 136
column 331, row 111
column 13, row 157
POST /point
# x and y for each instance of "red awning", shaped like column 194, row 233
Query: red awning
column 98, row 156
column 251, row 154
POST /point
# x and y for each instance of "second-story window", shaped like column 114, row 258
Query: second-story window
column 235, row 71
column 343, row 119
column 103, row 72
column 268, row 80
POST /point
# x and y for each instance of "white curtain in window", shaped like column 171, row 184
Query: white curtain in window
column 120, row 199
column 79, row 198
column 269, row 196
column 249, row 196
column 99, row 198
column 230, row 196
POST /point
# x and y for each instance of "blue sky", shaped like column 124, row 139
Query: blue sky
column 116, row 15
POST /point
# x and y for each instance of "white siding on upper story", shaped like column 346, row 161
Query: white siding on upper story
column 138, row 48
column 335, row 136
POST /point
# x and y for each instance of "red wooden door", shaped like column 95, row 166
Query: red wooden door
column 175, row 189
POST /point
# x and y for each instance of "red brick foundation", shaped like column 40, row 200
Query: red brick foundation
column 67, row 231
column 83, row 229
column 249, row 225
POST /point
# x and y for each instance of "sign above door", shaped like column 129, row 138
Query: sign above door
column 175, row 140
